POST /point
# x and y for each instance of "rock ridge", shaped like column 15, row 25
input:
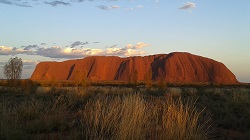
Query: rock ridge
column 177, row 67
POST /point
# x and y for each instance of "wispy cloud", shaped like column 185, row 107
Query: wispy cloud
column 56, row 3
column 188, row 6
column 78, row 43
column 29, row 47
column 134, row 8
column 140, row 6
column 115, row 6
column 15, row 3
column 104, row 7
column 6, row 2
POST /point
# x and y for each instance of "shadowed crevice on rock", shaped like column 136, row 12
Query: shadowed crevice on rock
column 121, row 70
column 91, row 68
column 157, row 67
column 71, row 71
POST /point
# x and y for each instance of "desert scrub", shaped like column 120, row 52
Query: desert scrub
column 110, row 117
column 9, row 123
column 100, row 113
column 132, row 117
column 177, row 119
column 32, row 116
column 229, row 109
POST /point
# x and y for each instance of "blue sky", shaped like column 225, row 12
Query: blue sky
column 48, row 30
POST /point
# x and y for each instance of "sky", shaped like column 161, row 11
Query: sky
column 49, row 30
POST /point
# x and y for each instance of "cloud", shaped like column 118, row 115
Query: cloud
column 69, row 52
column 56, row 3
column 6, row 2
column 134, row 8
column 129, row 9
column 128, row 50
column 78, row 43
column 104, row 7
column 115, row 6
column 139, row 45
column 140, row 6
column 4, row 50
column 113, row 46
column 53, row 52
column 59, row 52
column 25, row 4
column 14, row 48
column 29, row 47
column 30, row 3
column 74, row 52
column 29, row 64
column 188, row 6
column 43, row 44
column 123, row 51
column 15, row 2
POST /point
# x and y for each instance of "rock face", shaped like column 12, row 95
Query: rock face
column 174, row 67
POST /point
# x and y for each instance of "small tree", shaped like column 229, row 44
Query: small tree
column 13, row 69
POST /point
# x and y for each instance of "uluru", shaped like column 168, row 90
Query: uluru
column 176, row 67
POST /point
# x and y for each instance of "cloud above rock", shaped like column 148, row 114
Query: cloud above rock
column 139, row 45
column 74, row 50
column 68, row 52
column 78, row 43
column 29, row 47
column 29, row 64
column 5, row 50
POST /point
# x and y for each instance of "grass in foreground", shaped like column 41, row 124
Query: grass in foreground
column 100, row 113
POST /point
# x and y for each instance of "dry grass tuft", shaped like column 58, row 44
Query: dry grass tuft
column 131, row 117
